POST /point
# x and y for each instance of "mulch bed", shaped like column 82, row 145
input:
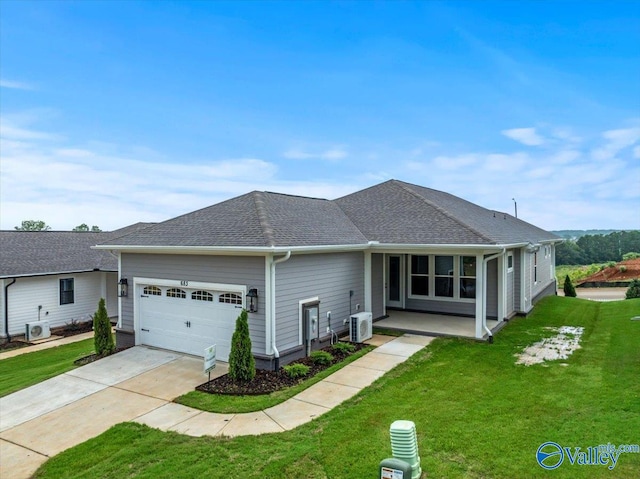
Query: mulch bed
column 266, row 382
column 64, row 331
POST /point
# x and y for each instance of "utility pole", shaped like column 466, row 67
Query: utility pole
column 515, row 205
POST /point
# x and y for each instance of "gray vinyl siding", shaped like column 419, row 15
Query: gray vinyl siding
column 330, row 277
column 377, row 285
column 492, row 289
column 517, row 281
column 242, row 270
column 446, row 307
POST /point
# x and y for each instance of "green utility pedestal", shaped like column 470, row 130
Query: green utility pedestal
column 395, row 469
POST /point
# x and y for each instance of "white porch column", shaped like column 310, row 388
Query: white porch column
column 502, row 286
column 368, row 304
column 480, row 294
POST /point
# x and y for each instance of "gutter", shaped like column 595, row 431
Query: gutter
column 272, row 280
column 6, row 309
column 485, row 261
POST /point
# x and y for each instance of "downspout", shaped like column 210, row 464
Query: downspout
column 6, row 309
column 485, row 262
column 272, row 279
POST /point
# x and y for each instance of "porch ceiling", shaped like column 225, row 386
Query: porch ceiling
column 432, row 324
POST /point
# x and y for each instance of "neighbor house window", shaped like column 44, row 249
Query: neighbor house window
column 230, row 298
column 444, row 276
column 66, row 291
column 510, row 262
column 202, row 296
column 467, row 276
column 535, row 267
column 176, row 293
column 152, row 291
column 420, row 275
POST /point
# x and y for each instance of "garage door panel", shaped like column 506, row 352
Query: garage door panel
column 188, row 325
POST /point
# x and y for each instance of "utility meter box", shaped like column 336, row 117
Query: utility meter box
column 393, row 468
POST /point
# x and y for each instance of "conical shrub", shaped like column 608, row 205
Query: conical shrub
column 102, row 336
column 569, row 290
column 242, row 365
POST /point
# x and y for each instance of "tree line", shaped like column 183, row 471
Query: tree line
column 39, row 225
column 590, row 249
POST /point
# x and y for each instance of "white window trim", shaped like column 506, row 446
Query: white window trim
column 510, row 268
column 60, row 290
column 456, row 280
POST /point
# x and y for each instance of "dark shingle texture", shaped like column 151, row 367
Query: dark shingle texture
column 398, row 212
column 25, row 253
column 257, row 219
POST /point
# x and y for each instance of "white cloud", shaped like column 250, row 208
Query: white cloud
column 617, row 140
column 4, row 83
column 636, row 152
column 331, row 154
column 526, row 136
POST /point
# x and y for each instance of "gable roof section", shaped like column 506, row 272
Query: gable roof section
column 256, row 219
column 396, row 212
column 33, row 253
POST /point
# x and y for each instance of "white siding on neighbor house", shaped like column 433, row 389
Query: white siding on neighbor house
column 377, row 285
column 241, row 270
column 26, row 294
column 330, row 277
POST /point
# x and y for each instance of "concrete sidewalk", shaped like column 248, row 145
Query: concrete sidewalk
column 46, row 344
column 50, row 417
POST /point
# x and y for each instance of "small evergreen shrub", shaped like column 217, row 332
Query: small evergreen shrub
column 321, row 357
column 102, row 336
column 296, row 370
column 569, row 290
column 633, row 291
column 623, row 269
column 242, row 365
column 344, row 347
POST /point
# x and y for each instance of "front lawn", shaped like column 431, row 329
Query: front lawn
column 477, row 414
column 28, row 369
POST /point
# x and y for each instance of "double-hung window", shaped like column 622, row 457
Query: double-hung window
column 420, row 275
column 66, row 291
column 444, row 276
column 467, row 276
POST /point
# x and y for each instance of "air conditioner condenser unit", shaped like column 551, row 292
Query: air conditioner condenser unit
column 360, row 327
column 37, row 330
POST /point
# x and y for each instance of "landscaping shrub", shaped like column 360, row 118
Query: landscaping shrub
column 321, row 357
column 344, row 347
column 102, row 336
column 242, row 365
column 569, row 290
column 634, row 290
column 296, row 370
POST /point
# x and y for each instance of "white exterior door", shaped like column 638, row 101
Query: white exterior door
column 187, row 319
column 395, row 281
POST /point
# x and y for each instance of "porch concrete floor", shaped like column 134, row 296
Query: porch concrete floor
column 432, row 324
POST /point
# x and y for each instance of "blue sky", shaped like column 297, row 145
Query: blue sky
column 118, row 112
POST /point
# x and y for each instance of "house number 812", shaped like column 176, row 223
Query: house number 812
column 184, row 283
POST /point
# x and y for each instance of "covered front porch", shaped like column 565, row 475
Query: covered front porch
column 434, row 324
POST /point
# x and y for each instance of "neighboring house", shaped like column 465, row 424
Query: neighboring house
column 55, row 276
column 392, row 246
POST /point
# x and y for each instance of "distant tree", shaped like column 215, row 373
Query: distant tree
column 569, row 290
column 102, row 335
column 84, row 228
column 634, row 290
column 33, row 225
column 568, row 252
column 242, row 365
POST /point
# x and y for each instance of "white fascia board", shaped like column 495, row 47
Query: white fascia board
column 445, row 248
column 231, row 250
column 55, row 273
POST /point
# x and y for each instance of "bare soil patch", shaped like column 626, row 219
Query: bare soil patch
column 560, row 346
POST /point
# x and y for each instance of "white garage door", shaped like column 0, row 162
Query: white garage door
column 188, row 320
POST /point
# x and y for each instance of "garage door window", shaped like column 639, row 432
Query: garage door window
column 230, row 298
column 152, row 291
column 202, row 296
column 176, row 293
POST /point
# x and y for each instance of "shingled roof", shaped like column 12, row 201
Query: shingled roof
column 402, row 213
column 392, row 212
column 33, row 253
column 256, row 219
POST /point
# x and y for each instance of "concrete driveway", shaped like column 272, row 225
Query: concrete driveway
column 43, row 420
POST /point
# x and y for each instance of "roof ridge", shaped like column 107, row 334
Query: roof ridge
column 261, row 209
column 439, row 208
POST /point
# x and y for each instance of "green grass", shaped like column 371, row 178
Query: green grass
column 28, row 369
column 477, row 414
column 238, row 404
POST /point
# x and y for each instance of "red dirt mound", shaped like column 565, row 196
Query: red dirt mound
column 623, row 271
